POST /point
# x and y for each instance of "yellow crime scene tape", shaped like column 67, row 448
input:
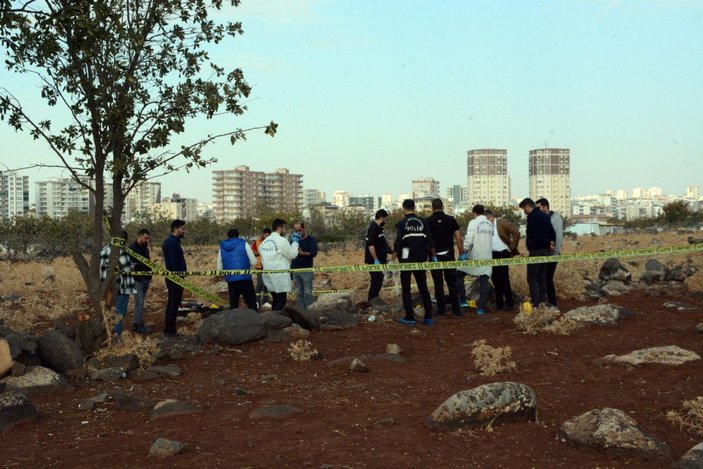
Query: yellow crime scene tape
column 176, row 277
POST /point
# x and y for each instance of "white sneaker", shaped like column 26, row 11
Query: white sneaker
column 266, row 306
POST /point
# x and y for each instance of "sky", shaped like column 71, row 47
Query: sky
column 370, row 95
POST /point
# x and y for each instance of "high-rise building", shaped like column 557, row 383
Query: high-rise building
column 340, row 198
column 177, row 207
column 387, row 201
column 14, row 194
column 425, row 187
column 241, row 193
column 693, row 192
column 58, row 197
column 550, row 177
column 457, row 195
column 139, row 201
column 488, row 181
column 368, row 202
column 313, row 197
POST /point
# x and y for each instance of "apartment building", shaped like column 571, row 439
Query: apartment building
column 488, row 182
column 14, row 194
column 57, row 197
column 138, row 202
column 425, row 187
column 550, row 177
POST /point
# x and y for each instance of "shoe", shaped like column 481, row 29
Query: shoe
column 141, row 329
column 481, row 312
column 427, row 322
column 551, row 307
column 464, row 304
column 407, row 322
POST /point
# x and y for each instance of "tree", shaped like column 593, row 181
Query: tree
column 676, row 212
column 128, row 75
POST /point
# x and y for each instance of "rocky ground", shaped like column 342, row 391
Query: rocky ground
column 368, row 394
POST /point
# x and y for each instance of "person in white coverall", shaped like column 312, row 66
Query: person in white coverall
column 276, row 254
column 478, row 244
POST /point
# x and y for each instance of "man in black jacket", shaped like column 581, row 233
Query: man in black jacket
column 445, row 231
column 376, row 251
column 540, row 241
column 413, row 243
column 141, row 282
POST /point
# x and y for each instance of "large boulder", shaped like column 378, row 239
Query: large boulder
column 91, row 333
column 15, row 408
column 612, row 269
column 232, row 327
column 338, row 319
column 602, row 315
column 654, row 272
column 6, row 360
column 58, row 352
column 307, row 319
column 615, row 288
column 486, row 404
column 665, row 355
column 332, row 302
column 612, row 431
column 36, row 380
column 274, row 321
column 164, row 448
column 693, row 459
column 171, row 408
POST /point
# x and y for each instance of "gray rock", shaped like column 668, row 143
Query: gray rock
column 65, row 329
column 232, row 327
column 295, row 331
column 693, row 459
column 6, row 360
column 358, row 365
column 129, row 361
column 86, row 404
column 166, row 370
column 273, row 411
column 142, row 375
column 164, row 448
column 278, row 336
column 605, row 314
column 332, row 302
column 612, row 269
column 653, row 265
column 91, row 333
column 37, row 380
column 393, row 349
column 132, row 403
column 100, row 398
column 274, row 320
column 487, row 404
column 241, row 391
column 681, row 273
column 59, row 352
column 18, row 369
column 615, row 288
column 15, row 408
column 699, row 328
column 377, row 301
column 612, row 431
column 665, row 355
column 387, row 422
column 170, row 408
column 339, row 318
column 680, row 306
column 307, row 319
column 109, row 374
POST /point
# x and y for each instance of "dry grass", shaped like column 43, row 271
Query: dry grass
column 144, row 347
column 543, row 319
column 302, row 351
column 489, row 360
column 690, row 417
column 563, row 326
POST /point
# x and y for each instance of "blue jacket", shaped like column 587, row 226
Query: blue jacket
column 234, row 257
column 173, row 254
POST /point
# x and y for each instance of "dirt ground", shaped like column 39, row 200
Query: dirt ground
column 344, row 415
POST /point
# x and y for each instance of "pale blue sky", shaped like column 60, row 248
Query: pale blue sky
column 372, row 94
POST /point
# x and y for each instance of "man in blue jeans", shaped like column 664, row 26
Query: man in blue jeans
column 307, row 250
column 540, row 241
column 141, row 282
column 124, row 284
column 175, row 262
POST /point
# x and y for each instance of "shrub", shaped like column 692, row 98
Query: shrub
column 690, row 417
column 489, row 360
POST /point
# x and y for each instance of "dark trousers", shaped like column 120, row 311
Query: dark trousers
column 551, row 290
column 439, row 277
column 279, row 301
column 537, row 278
column 261, row 290
column 501, row 282
column 245, row 288
column 482, row 292
column 421, row 281
column 461, row 286
column 175, row 296
column 375, row 284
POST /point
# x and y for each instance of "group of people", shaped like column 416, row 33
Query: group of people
column 435, row 239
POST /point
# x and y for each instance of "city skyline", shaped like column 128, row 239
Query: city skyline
column 369, row 97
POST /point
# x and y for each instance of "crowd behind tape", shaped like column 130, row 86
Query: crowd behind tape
column 177, row 277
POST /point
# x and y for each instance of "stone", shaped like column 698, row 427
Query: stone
column 15, row 408
column 164, row 448
column 231, row 327
column 387, row 422
column 295, row 331
column 79, row 374
column 332, row 302
column 86, row 404
column 665, row 355
column 171, row 408
column 18, row 369
column 274, row 320
column 680, row 273
column 487, row 404
column 241, row 391
column 307, row 319
column 358, row 365
column 166, row 370
column 59, row 352
column 132, row 403
column 612, row 269
column 279, row 336
column 128, row 361
column 601, row 315
column 612, row 431
column 37, row 380
column 109, row 374
column 378, row 302
column 142, row 375
column 100, row 398
column 680, row 306
column 615, row 288
column 393, row 349
column 273, row 411
column 6, row 360
column 65, row 329
column 339, row 318
column 693, row 459
column 91, row 333
column 699, row 328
